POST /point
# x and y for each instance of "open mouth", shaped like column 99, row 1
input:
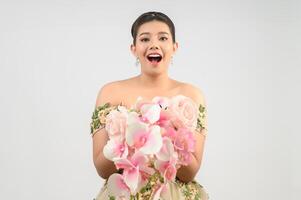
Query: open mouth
column 154, row 58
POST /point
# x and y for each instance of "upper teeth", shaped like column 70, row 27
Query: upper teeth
column 154, row 55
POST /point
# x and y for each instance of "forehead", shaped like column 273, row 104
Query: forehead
column 153, row 28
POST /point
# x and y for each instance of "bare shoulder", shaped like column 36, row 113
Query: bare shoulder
column 115, row 92
column 194, row 92
column 108, row 93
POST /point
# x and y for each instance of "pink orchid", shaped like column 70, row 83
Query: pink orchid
column 160, row 191
column 167, row 160
column 150, row 112
column 115, row 149
column 166, row 151
column 140, row 136
column 163, row 102
column 117, row 187
column 135, row 170
column 164, row 119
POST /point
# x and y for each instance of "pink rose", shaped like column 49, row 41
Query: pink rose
column 185, row 112
column 116, row 123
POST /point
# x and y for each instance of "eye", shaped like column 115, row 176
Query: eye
column 165, row 38
column 144, row 39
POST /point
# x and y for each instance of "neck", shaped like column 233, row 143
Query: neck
column 161, row 81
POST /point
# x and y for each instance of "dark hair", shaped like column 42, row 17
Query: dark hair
column 152, row 16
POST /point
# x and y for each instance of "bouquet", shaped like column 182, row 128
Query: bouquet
column 149, row 142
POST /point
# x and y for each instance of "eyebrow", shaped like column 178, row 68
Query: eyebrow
column 148, row 33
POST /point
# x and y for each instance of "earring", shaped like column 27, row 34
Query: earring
column 171, row 60
column 137, row 62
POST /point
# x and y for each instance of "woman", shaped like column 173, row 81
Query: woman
column 154, row 45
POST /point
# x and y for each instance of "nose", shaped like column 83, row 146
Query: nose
column 154, row 47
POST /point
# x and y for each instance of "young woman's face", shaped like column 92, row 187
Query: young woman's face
column 154, row 47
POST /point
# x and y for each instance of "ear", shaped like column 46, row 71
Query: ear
column 133, row 50
column 175, row 47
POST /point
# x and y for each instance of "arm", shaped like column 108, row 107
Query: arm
column 104, row 167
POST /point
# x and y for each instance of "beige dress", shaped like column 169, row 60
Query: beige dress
column 177, row 190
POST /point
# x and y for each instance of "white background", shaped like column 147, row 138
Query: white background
column 244, row 55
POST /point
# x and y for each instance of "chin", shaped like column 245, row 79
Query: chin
column 156, row 72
